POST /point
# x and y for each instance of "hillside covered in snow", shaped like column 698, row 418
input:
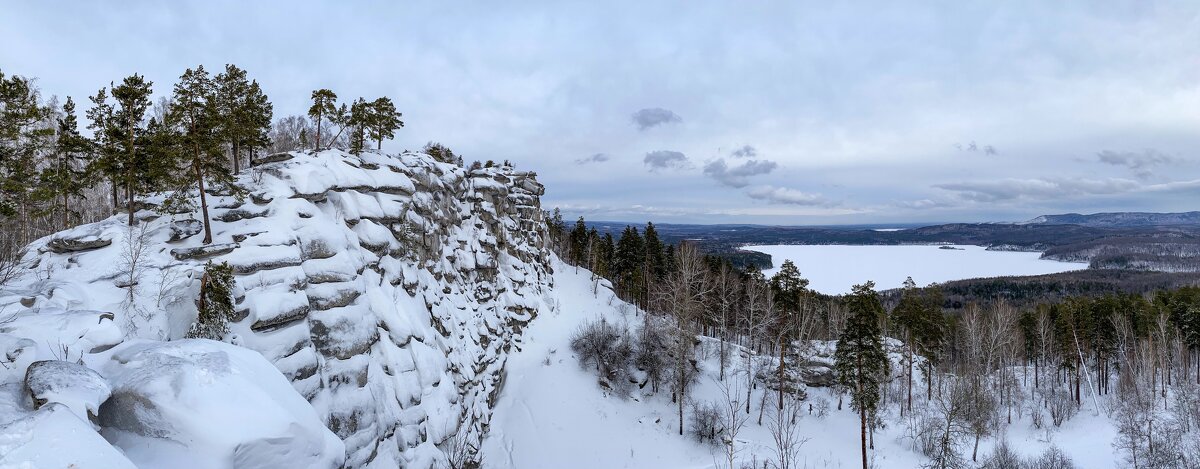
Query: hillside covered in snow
column 376, row 300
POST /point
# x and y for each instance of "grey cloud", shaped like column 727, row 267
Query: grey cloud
column 664, row 159
column 653, row 117
column 1139, row 162
column 746, row 151
column 923, row 204
column 1038, row 189
column 783, row 195
column 737, row 176
column 597, row 158
column 1136, row 160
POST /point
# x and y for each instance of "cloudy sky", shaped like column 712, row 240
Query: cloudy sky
column 765, row 112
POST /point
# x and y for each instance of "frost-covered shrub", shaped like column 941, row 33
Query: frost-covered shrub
column 706, row 422
column 1003, row 457
column 822, row 407
column 1052, row 458
column 1060, row 405
column 215, row 302
column 653, row 341
column 441, row 153
column 606, row 345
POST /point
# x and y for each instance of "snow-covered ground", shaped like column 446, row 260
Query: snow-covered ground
column 553, row 414
column 833, row 269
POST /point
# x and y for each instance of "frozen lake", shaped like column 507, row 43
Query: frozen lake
column 833, row 269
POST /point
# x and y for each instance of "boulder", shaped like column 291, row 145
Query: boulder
column 183, row 229
column 213, row 405
column 70, row 384
column 272, row 158
column 63, row 245
column 203, row 252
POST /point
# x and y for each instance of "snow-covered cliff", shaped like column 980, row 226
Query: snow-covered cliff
column 386, row 289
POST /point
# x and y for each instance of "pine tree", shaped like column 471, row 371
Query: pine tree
column 384, row 121
column 358, row 122
column 256, row 121
column 106, row 161
column 578, row 239
column 862, row 364
column 215, row 303
column 324, row 106
column 195, row 112
column 232, row 89
column 627, row 265
column 24, row 140
column 245, row 113
column 66, row 176
column 126, row 129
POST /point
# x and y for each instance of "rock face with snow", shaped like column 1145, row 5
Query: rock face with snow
column 387, row 289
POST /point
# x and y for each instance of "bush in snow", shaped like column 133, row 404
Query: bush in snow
column 441, row 153
column 607, row 345
column 652, row 348
column 215, row 304
column 1060, row 404
column 1052, row 458
column 1003, row 457
column 706, row 422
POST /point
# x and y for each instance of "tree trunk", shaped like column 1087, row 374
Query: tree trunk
column 129, row 178
column 318, row 146
column 203, row 204
column 781, row 373
column 908, row 349
column 862, row 418
column 236, row 150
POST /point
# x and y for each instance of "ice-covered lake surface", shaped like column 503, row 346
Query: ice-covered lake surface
column 833, row 269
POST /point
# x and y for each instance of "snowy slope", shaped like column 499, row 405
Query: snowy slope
column 386, row 288
column 553, row 414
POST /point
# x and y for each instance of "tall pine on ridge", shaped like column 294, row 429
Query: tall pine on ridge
column 861, row 363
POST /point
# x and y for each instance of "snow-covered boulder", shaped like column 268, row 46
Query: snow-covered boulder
column 209, row 404
column 54, row 437
column 71, row 384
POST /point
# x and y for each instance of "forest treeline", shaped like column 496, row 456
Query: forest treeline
column 963, row 373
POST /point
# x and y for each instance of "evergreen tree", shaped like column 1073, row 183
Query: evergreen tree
column 655, row 261
column 607, row 251
column 579, row 240
column 861, row 363
column 24, row 139
column 791, row 291
column 256, row 121
column 215, row 304
column 627, row 265
column 66, row 176
column 245, row 113
column 125, row 126
column 384, row 121
column 324, row 105
column 358, row 121
column 195, row 112
column 106, row 160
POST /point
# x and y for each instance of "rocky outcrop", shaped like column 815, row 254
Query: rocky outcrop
column 387, row 289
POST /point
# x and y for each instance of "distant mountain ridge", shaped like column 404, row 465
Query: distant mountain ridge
column 1118, row 219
